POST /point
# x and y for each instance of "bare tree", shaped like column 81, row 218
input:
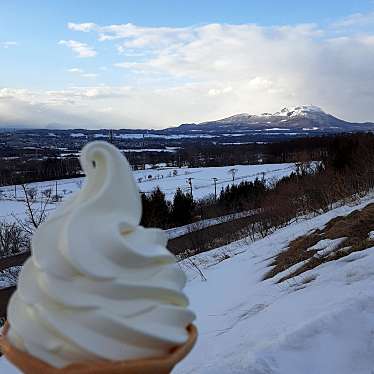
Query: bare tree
column 12, row 239
column 36, row 211
column 10, row 275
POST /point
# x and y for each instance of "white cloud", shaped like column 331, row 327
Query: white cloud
column 85, row 27
column 356, row 19
column 81, row 49
column 84, row 106
column 82, row 73
column 75, row 70
column 8, row 93
column 199, row 73
column 8, row 44
column 265, row 67
column 219, row 91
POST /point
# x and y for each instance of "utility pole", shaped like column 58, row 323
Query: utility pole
column 56, row 190
column 189, row 181
column 111, row 136
column 15, row 192
column 142, row 146
column 215, row 187
column 233, row 171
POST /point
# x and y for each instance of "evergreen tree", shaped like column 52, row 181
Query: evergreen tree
column 245, row 195
column 156, row 211
column 182, row 209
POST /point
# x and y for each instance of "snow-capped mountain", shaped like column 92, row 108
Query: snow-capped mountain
column 301, row 118
column 287, row 123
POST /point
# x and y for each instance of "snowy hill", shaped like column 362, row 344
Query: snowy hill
column 321, row 321
column 303, row 118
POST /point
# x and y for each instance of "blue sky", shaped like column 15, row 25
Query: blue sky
column 158, row 63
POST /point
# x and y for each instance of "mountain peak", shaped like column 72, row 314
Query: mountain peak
column 302, row 110
column 291, row 121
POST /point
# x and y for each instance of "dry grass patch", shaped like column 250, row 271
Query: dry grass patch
column 355, row 228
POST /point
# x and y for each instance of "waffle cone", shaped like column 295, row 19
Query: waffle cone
column 160, row 365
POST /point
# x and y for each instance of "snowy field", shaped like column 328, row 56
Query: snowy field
column 320, row 322
column 167, row 179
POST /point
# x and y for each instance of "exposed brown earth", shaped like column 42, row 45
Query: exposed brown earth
column 356, row 227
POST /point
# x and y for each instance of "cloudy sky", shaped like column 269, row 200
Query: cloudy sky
column 159, row 63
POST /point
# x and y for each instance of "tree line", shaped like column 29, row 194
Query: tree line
column 345, row 171
column 19, row 171
column 25, row 166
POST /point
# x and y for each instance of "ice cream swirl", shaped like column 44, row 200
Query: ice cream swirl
column 98, row 285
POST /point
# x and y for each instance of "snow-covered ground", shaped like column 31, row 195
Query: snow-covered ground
column 202, row 178
column 167, row 179
column 320, row 322
column 8, row 277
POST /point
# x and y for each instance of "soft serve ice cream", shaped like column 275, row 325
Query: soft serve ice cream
column 98, row 285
